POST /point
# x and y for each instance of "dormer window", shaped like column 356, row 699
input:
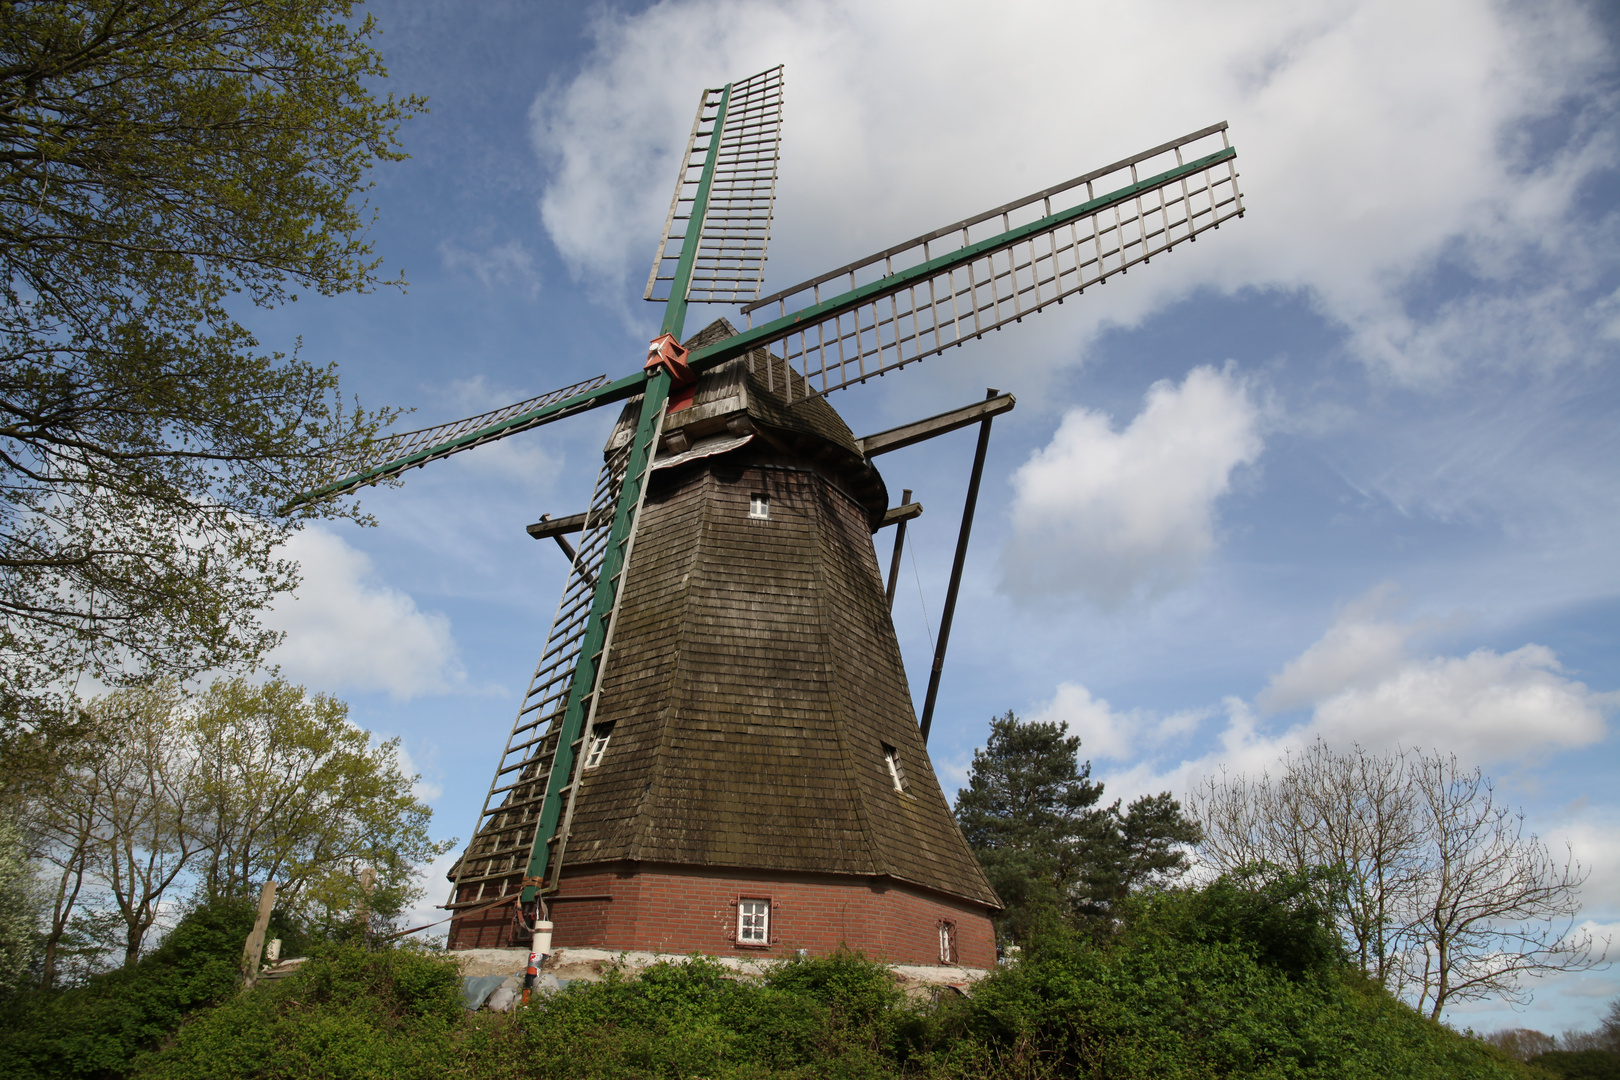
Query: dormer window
column 599, row 744
column 897, row 770
column 759, row 506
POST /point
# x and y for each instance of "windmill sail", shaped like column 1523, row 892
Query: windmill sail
column 953, row 284
column 497, row 859
column 517, row 830
column 413, row 449
column 733, row 201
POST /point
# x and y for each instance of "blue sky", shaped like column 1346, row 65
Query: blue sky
column 1345, row 468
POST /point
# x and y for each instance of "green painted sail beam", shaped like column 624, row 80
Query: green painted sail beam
column 607, row 394
column 776, row 329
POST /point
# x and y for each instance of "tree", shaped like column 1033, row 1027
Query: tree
column 160, row 163
column 20, row 909
column 1357, row 813
column 211, row 795
column 1495, row 905
column 147, row 803
column 1144, row 847
column 1030, row 814
column 1521, row 1044
column 1441, row 894
column 65, row 839
column 290, row 791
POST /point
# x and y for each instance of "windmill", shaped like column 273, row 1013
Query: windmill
column 718, row 750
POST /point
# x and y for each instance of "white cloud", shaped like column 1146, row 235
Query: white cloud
column 1593, row 833
column 1106, row 733
column 1379, row 140
column 505, row 266
column 1486, row 706
column 348, row 630
column 1363, row 684
column 1358, row 651
column 1103, row 732
column 1115, row 514
column 435, row 890
column 424, row 789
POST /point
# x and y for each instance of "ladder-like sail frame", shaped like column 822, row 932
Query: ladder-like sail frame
column 569, row 728
column 498, row 854
column 537, row 778
column 734, row 200
column 413, row 449
column 913, row 300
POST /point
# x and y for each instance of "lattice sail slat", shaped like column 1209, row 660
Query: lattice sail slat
column 729, row 264
column 954, row 284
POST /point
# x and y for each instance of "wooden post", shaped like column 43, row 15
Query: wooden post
column 255, row 941
column 362, row 916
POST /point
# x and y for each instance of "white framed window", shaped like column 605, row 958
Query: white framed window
column 759, row 506
column 947, row 942
column 599, row 744
column 753, row 921
column 897, row 770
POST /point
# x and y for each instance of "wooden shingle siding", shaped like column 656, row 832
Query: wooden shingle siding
column 755, row 678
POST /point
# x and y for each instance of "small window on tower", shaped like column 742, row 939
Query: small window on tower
column 759, row 506
column 947, row 942
column 599, row 743
column 897, row 771
column 753, row 922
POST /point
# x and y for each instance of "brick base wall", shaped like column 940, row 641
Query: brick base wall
column 686, row 909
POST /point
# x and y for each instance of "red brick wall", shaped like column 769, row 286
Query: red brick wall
column 684, row 910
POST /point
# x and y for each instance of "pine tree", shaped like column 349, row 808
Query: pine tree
column 1030, row 812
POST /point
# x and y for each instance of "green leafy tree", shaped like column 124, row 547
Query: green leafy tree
column 1030, row 813
column 160, row 163
column 216, row 793
column 289, row 791
column 21, row 909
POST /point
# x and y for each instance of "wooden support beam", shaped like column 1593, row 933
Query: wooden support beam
column 903, row 512
column 899, row 542
column 919, row 430
column 956, row 567
column 549, row 526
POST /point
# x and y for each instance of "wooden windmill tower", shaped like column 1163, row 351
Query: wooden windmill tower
column 718, row 750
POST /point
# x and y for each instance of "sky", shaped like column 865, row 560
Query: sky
column 1346, row 468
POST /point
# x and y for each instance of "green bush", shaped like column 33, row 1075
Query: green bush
column 347, row 1013
column 1279, row 920
column 1579, row 1064
column 810, row 1018
column 1217, row 982
column 1201, row 984
column 96, row 1031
